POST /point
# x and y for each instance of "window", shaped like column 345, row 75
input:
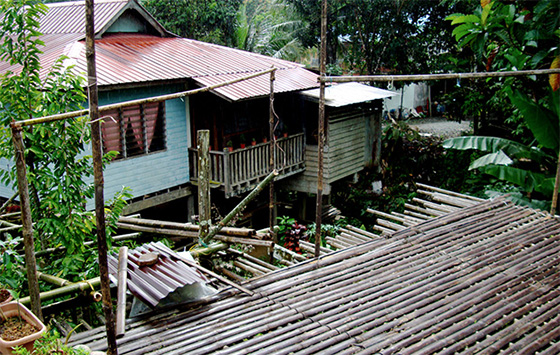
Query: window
column 134, row 130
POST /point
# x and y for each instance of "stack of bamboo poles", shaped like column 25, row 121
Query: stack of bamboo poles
column 432, row 288
column 439, row 203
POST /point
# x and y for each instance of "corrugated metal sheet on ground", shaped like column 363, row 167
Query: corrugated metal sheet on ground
column 151, row 284
column 482, row 279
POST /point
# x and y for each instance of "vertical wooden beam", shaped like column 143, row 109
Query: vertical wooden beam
column 98, row 180
column 27, row 223
column 202, row 144
column 321, row 124
column 272, row 160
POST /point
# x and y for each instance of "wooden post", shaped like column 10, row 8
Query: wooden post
column 205, row 218
column 121, row 291
column 27, row 223
column 321, row 143
column 272, row 161
column 98, row 180
column 556, row 187
column 241, row 206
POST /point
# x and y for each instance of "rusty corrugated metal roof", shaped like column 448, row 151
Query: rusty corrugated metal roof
column 124, row 59
column 137, row 59
column 69, row 17
column 151, row 284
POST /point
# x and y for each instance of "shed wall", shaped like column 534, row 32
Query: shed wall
column 345, row 150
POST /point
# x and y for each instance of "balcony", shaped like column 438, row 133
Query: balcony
column 241, row 170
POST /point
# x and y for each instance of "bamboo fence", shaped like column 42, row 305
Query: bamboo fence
column 482, row 278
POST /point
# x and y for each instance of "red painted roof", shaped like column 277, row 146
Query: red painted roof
column 136, row 59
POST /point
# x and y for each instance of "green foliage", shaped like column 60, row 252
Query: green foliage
column 529, row 168
column 517, row 36
column 60, row 171
column 50, row 343
column 204, row 20
column 366, row 36
column 510, row 36
column 12, row 265
column 269, row 27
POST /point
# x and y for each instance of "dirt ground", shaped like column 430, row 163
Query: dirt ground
column 440, row 127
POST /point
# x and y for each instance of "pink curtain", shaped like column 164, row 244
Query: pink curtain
column 151, row 113
column 110, row 129
column 133, row 116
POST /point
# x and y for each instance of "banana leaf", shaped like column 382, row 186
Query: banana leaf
column 527, row 180
column 494, row 144
column 498, row 158
column 544, row 123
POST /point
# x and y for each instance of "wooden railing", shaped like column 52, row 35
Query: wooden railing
column 242, row 169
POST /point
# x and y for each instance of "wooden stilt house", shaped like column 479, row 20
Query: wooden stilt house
column 137, row 58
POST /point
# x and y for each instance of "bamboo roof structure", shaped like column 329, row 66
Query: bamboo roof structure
column 482, row 278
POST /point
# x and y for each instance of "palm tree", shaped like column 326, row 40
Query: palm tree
column 269, row 27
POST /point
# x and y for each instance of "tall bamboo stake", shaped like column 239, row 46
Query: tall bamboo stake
column 556, row 187
column 98, row 180
column 271, row 219
column 121, row 292
column 27, row 223
column 202, row 142
column 321, row 143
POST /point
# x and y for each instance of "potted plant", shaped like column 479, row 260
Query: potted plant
column 229, row 145
column 19, row 327
column 264, row 140
column 253, row 141
column 242, row 141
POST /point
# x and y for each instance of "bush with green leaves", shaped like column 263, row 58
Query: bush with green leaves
column 506, row 36
column 59, row 167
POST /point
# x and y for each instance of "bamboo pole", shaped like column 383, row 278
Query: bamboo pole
column 233, row 231
column 55, row 280
column 556, row 187
column 88, row 243
column 321, row 127
column 272, row 160
column 27, row 222
column 121, row 291
column 205, row 217
column 257, row 242
column 427, row 77
column 73, row 114
column 65, row 290
column 239, row 208
column 98, row 179
column 5, row 205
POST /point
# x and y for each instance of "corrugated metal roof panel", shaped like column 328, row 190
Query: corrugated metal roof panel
column 136, row 58
column 151, row 284
column 69, row 17
column 287, row 79
column 348, row 94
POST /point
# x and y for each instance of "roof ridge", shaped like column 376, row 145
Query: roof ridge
column 80, row 2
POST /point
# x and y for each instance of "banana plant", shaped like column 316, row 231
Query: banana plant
column 508, row 160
